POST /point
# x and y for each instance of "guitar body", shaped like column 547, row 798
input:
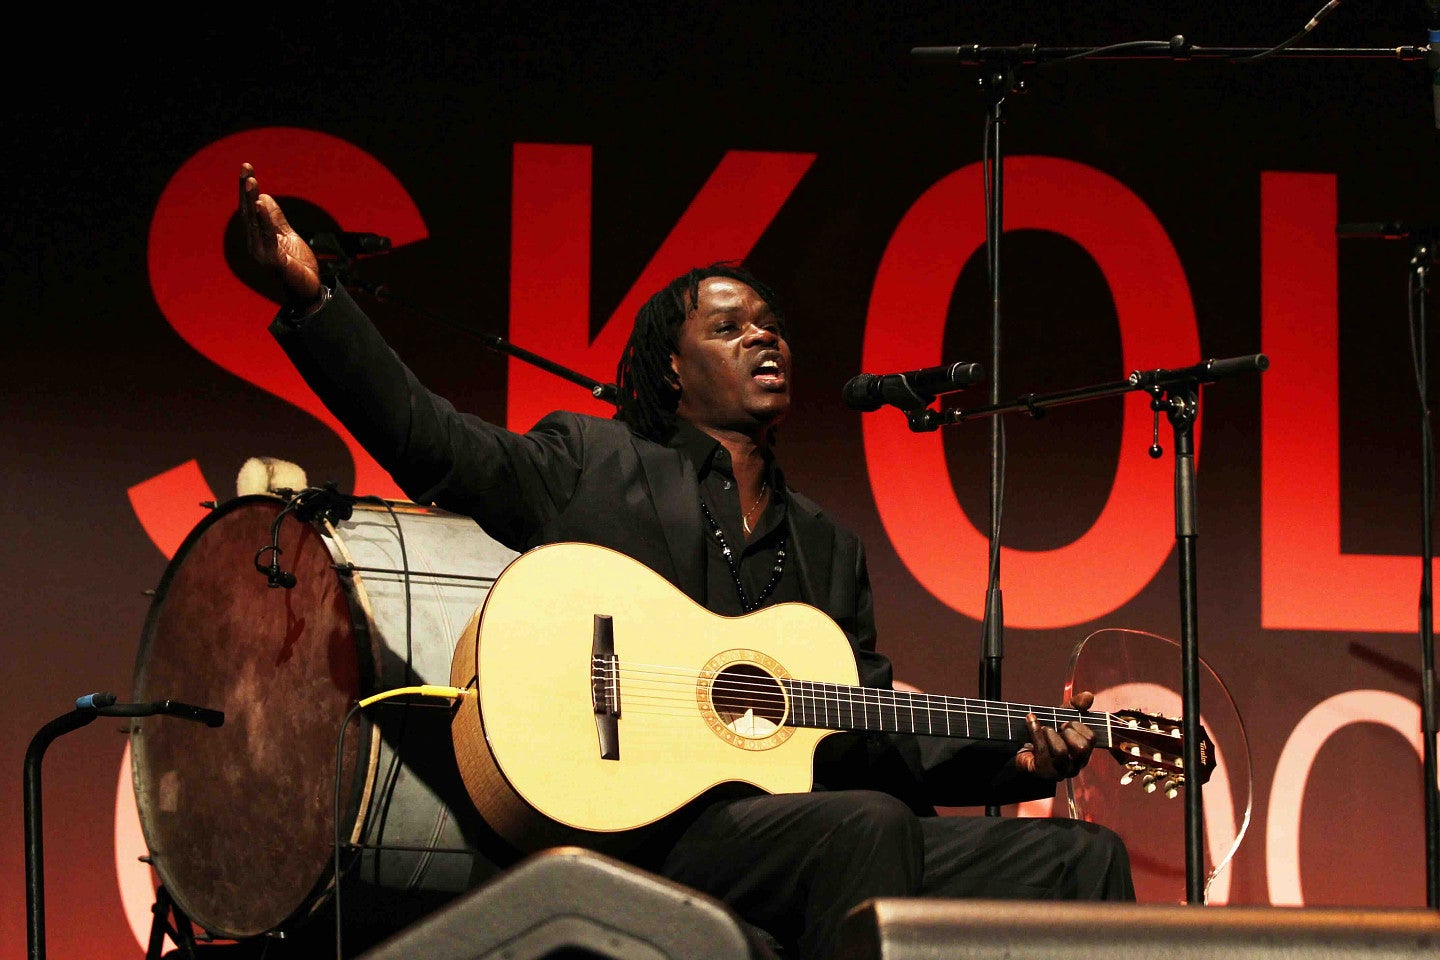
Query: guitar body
column 528, row 743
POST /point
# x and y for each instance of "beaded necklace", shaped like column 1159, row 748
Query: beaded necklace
column 746, row 603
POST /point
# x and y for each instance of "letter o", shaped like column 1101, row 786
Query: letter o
column 1134, row 534
column 1287, row 795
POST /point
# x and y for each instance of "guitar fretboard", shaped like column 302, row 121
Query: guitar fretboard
column 833, row 706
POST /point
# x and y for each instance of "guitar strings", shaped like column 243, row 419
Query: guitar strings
column 674, row 697
column 837, row 692
column 857, row 716
column 762, row 692
column 686, row 676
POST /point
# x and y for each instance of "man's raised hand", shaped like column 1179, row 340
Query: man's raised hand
column 275, row 244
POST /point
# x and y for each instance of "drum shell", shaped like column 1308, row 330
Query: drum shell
column 239, row 820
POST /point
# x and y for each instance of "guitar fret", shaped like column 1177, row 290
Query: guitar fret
column 835, row 706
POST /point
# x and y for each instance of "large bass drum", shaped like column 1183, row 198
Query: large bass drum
column 239, row 819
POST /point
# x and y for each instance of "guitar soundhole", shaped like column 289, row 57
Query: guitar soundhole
column 748, row 701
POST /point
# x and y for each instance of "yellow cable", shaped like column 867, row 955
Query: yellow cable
column 424, row 690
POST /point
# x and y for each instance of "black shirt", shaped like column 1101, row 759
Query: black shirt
column 756, row 557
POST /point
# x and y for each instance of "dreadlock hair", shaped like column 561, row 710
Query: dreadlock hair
column 648, row 393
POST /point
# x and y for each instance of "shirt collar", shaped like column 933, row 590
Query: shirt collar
column 701, row 450
column 695, row 445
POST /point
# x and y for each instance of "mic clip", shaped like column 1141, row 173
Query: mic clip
column 324, row 503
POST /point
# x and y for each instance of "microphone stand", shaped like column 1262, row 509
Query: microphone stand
column 1001, row 65
column 87, row 708
column 1425, row 239
column 999, row 83
column 1177, row 394
column 336, row 255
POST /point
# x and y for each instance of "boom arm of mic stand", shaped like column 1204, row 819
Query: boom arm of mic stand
column 606, row 392
column 1207, row 371
column 1176, row 48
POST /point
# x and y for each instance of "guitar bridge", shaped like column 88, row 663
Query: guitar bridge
column 605, row 686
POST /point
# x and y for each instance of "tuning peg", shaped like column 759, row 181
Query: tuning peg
column 1148, row 782
column 1172, row 789
column 1127, row 778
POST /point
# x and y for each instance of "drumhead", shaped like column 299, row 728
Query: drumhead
column 238, row 819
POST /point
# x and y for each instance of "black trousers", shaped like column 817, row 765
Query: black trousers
column 795, row 865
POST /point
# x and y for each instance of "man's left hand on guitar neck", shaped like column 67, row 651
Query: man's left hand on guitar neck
column 1058, row 754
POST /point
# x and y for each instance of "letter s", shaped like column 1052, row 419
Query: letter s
column 225, row 320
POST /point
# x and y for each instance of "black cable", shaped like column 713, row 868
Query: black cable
column 1304, row 31
column 1411, row 294
column 1117, row 47
column 993, row 231
column 339, row 769
column 276, row 576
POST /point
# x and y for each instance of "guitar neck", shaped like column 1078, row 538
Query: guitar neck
column 832, row 706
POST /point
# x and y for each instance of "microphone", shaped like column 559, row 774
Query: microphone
column 334, row 246
column 94, row 701
column 909, row 391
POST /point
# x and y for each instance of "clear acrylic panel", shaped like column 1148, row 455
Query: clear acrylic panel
column 1135, row 670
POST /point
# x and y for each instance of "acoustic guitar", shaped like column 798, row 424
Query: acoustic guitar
column 599, row 699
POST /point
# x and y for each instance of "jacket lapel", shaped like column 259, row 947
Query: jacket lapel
column 675, row 494
column 813, row 547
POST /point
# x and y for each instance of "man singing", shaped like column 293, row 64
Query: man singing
column 685, row 480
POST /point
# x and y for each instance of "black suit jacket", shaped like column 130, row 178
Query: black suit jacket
column 581, row 478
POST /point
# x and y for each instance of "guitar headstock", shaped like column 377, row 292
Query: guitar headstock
column 1151, row 748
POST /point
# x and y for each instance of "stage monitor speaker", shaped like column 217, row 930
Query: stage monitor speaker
column 920, row 929
column 577, row 905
